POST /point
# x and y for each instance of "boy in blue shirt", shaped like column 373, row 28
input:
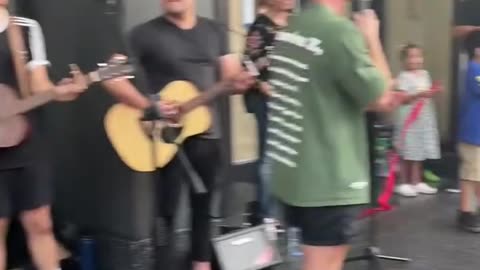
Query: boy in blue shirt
column 469, row 143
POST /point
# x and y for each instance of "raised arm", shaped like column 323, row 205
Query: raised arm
column 362, row 70
column 231, row 67
column 462, row 31
column 37, row 66
column 123, row 89
column 464, row 20
column 230, row 64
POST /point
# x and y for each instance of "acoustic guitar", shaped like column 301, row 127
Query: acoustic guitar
column 126, row 132
column 13, row 124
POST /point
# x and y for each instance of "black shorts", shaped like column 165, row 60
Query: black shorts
column 324, row 226
column 25, row 188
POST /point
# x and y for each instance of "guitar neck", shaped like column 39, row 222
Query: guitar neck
column 206, row 97
column 21, row 106
column 93, row 77
column 37, row 100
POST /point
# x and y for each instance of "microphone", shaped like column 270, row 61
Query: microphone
column 364, row 4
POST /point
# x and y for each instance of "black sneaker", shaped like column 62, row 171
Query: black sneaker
column 469, row 222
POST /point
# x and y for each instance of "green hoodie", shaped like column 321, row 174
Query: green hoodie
column 323, row 80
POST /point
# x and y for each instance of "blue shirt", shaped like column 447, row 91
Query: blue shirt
column 469, row 128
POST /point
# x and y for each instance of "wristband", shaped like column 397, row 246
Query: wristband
column 152, row 113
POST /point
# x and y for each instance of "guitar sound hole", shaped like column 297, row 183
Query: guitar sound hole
column 169, row 134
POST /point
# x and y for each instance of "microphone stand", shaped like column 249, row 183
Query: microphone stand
column 373, row 253
column 168, row 134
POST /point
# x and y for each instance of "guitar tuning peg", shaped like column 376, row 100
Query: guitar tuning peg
column 123, row 78
column 118, row 60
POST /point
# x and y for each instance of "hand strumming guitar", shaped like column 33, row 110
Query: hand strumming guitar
column 170, row 112
column 69, row 89
column 169, row 109
column 239, row 84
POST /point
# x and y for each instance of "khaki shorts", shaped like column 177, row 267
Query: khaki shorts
column 469, row 162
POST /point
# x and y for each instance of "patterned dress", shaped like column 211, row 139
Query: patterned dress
column 421, row 139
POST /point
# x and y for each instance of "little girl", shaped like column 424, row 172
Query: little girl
column 421, row 140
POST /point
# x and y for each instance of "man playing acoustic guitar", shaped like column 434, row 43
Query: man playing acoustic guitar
column 182, row 46
column 25, row 186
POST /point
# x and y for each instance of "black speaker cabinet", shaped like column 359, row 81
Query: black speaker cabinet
column 247, row 249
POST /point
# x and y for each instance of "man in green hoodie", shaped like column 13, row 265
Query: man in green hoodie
column 325, row 73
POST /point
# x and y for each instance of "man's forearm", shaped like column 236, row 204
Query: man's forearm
column 379, row 60
column 127, row 93
column 463, row 31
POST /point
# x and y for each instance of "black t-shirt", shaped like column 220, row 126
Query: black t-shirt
column 468, row 14
column 167, row 53
column 21, row 155
column 260, row 39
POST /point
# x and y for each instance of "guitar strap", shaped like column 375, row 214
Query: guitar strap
column 16, row 43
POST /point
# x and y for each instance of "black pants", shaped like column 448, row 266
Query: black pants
column 26, row 188
column 204, row 154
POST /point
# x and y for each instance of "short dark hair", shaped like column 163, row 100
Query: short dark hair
column 406, row 48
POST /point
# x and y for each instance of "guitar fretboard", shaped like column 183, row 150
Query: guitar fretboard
column 206, row 97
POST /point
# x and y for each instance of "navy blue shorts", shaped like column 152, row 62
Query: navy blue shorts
column 324, row 226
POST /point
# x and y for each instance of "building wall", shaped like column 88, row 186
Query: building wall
column 244, row 138
column 139, row 11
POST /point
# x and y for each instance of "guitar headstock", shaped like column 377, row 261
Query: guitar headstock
column 114, row 69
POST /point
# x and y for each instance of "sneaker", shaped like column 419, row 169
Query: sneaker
column 406, row 190
column 468, row 222
column 423, row 188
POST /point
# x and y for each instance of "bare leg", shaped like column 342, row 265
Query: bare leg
column 477, row 193
column 3, row 242
column 325, row 258
column 468, row 188
column 41, row 241
column 405, row 172
column 405, row 187
column 416, row 173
